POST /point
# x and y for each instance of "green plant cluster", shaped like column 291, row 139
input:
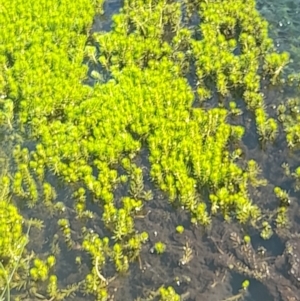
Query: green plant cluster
column 234, row 54
column 159, row 247
column 186, row 148
column 10, row 230
column 90, row 137
column 120, row 253
column 289, row 115
column 12, row 245
column 168, row 294
column 40, row 269
column 111, row 123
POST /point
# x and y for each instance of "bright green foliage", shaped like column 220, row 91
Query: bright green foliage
column 274, row 64
column 168, row 294
column 253, row 171
column 92, row 286
column 289, row 114
column 51, row 261
column 282, row 195
column 247, row 239
column 235, row 41
column 40, row 270
column 282, row 219
column 6, row 112
column 180, row 229
column 266, row 231
column 159, row 247
column 64, row 225
column 142, row 99
column 245, row 284
column 52, row 286
column 89, row 137
column 10, row 230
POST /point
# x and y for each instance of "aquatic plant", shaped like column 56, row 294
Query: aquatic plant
column 159, row 247
column 180, row 229
column 175, row 159
column 288, row 114
column 10, row 265
column 10, row 231
column 168, row 294
column 140, row 99
column 266, row 231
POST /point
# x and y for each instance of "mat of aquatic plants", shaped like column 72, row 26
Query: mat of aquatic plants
column 149, row 150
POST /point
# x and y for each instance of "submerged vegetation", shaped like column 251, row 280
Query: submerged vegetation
column 157, row 117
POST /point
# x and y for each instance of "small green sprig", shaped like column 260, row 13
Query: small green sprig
column 159, row 247
column 282, row 196
column 266, row 232
column 168, row 294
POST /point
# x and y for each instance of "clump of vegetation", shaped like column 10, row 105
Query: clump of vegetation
column 159, row 247
column 89, row 137
column 168, row 294
column 10, row 231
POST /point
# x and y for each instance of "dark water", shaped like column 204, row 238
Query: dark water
column 103, row 22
